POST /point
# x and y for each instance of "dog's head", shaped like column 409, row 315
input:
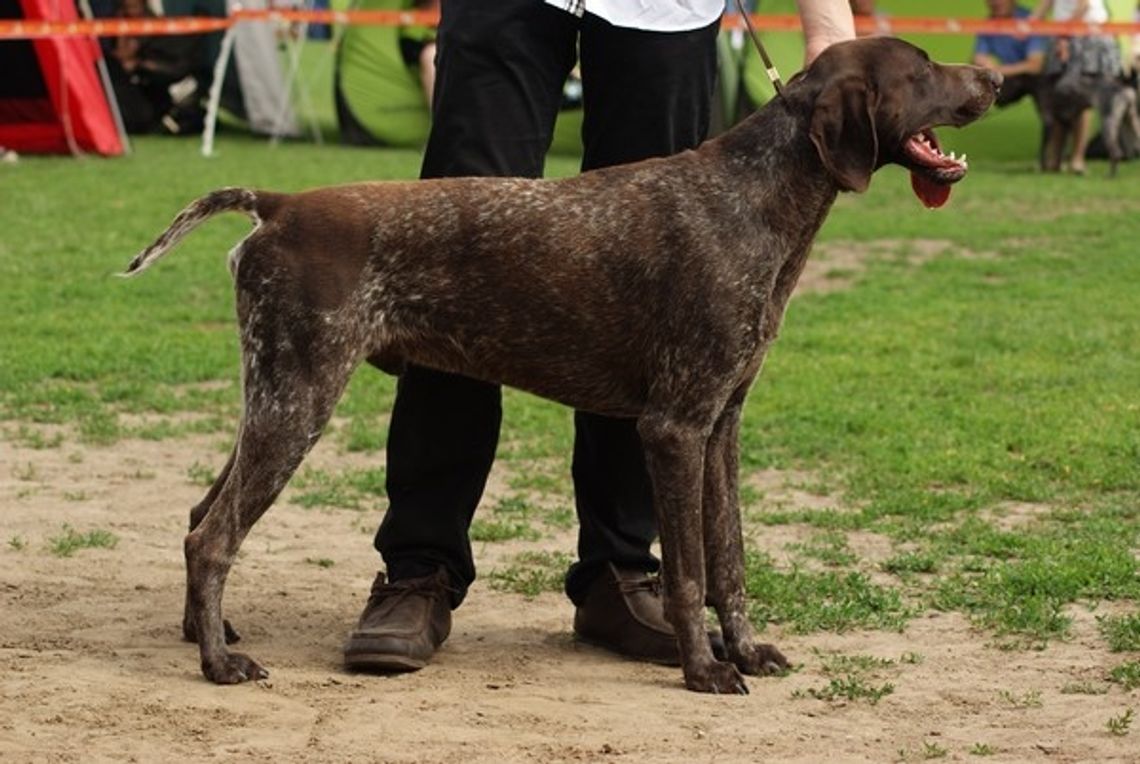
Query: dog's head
column 878, row 100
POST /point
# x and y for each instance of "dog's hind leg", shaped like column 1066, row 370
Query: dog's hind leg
column 724, row 546
column 197, row 514
column 289, row 395
column 674, row 456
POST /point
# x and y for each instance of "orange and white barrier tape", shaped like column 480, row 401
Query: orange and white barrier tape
column 180, row 25
column 25, row 29
column 176, row 25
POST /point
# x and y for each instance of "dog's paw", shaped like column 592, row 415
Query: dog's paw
column 760, row 659
column 233, row 668
column 718, row 678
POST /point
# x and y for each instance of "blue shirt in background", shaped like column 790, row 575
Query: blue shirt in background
column 1009, row 49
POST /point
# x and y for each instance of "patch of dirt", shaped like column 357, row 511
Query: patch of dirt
column 836, row 265
column 92, row 666
column 1016, row 515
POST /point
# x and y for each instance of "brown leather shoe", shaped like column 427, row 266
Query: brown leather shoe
column 402, row 625
column 623, row 612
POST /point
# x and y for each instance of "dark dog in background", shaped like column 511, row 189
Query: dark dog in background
column 650, row 291
column 1087, row 78
column 1120, row 121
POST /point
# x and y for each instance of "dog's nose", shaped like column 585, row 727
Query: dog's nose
column 995, row 79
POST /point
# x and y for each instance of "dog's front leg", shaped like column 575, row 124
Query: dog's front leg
column 724, row 547
column 674, row 456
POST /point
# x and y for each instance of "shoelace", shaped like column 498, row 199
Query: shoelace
column 396, row 591
column 651, row 584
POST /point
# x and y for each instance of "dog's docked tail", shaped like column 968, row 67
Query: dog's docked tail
column 222, row 200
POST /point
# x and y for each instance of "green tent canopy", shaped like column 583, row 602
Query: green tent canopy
column 379, row 98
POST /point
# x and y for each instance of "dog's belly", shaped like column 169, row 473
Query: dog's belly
column 561, row 371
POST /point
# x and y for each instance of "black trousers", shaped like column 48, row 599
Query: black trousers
column 501, row 66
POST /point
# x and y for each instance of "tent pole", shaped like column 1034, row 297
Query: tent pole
column 224, row 53
column 292, row 80
column 108, row 88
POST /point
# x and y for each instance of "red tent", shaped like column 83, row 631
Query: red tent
column 51, row 97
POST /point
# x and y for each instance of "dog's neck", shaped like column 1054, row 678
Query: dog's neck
column 774, row 169
column 772, row 156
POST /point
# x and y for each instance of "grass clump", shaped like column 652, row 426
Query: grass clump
column 1019, row 583
column 1127, row 675
column 1120, row 725
column 851, row 678
column 810, row 601
column 905, row 563
column 830, row 548
column 1122, row 632
column 850, row 687
column 71, row 541
column 532, row 573
column 348, row 489
column 502, row 530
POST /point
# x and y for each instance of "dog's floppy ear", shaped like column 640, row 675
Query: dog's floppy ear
column 843, row 131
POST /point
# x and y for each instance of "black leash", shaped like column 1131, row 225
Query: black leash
column 770, row 68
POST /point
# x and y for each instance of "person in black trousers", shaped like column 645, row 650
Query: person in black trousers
column 501, row 67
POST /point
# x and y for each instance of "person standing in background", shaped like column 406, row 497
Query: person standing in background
column 1091, row 57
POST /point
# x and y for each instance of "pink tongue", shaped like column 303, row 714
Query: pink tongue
column 930, row 193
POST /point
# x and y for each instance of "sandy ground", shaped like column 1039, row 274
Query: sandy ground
column 92, row 666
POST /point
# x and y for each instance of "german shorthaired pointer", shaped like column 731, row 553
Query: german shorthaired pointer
column 650, row 291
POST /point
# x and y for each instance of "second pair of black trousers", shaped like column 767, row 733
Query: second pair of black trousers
column 501, row 67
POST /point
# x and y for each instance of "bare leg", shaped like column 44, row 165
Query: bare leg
column 1081, row 130
column 1054, row 147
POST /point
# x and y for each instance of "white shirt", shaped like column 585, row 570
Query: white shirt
column 1065, row 10
column 648, row 15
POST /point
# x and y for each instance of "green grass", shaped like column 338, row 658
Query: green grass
column 70, row 541
column 532, row 573
column 851, row 678
column 806, row 601
column 1084, row 688
column 1127, row 675
column 1122, row 632
column 850, row 687
column 347, row 489
column 1121, row 725
column 925, row 396
column 1027, row 699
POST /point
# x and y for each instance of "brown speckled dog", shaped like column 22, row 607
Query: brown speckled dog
column 650, row 291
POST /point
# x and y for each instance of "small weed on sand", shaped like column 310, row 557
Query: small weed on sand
column 71, row 541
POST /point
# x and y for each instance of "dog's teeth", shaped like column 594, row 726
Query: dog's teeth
column 962, row 158
column 953, row 155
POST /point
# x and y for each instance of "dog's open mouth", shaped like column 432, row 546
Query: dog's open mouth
column 932, row 172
